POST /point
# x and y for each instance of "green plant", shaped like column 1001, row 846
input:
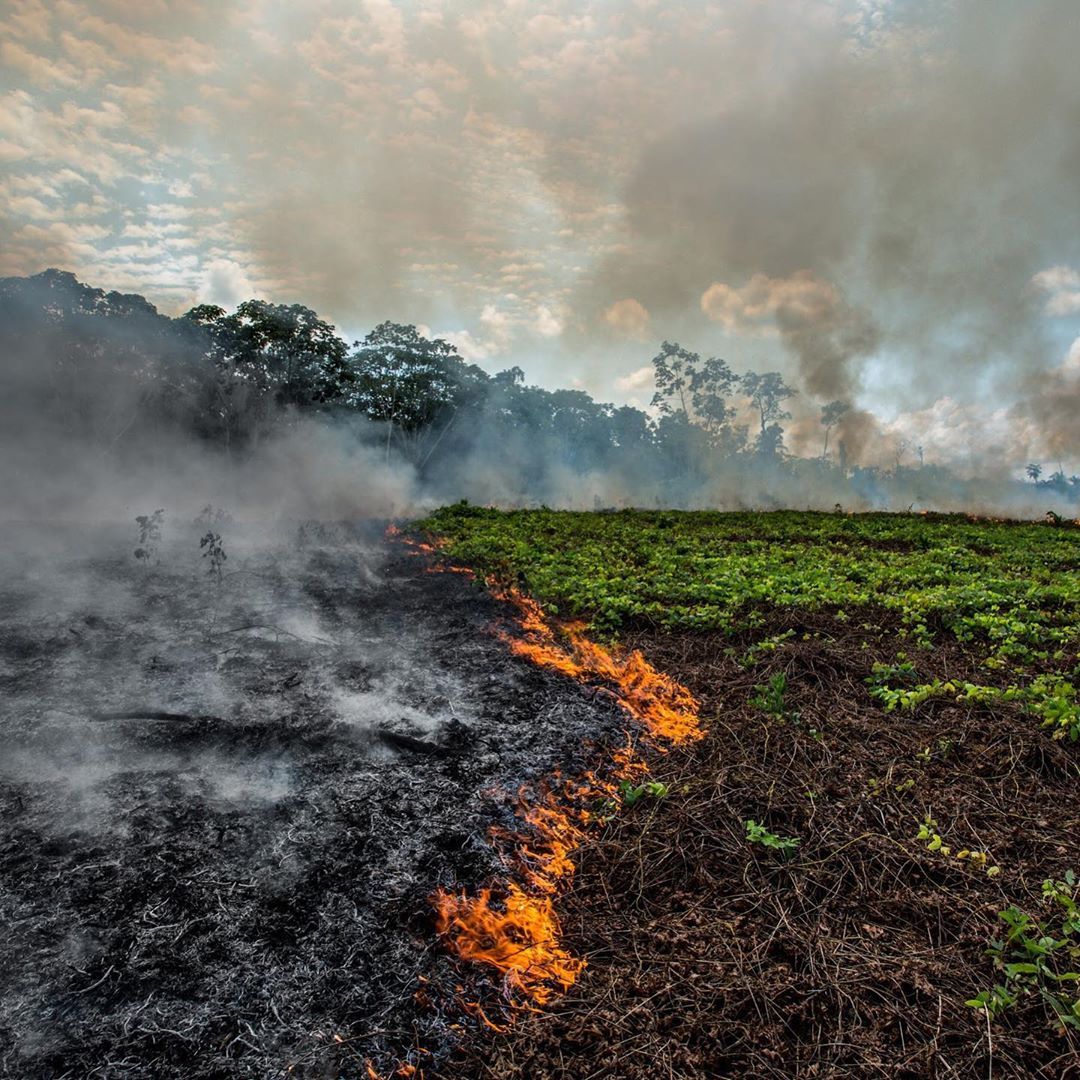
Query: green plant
column 769, row 697
column 631, row 793
column 1034, row 959
column 929, row 835
column 758, row 834
column 1050, row 697
column 1008, row 590
column 768, row 645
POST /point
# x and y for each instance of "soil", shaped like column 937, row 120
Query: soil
column 227, row 804
column 709, row 956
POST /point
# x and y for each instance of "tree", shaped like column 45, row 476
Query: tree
column 699, row 388
column 672, row 369
column 290, row 352
column 900, row 450
column 770, row 442
column 103, row 365
column 413, row 384
column 265, row 358
column 831, row 415
column 767, row 393
column 1034, row 471
column 630, row 428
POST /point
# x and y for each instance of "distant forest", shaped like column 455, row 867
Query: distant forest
column 109, row 369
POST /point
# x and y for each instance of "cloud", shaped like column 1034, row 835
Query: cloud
column 628, row 319
column 40, row 70
column 226, row 283
column 547, row 323
column 641, row 379
column 1063, row 285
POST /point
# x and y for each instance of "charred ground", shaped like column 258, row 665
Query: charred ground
column 227, row 805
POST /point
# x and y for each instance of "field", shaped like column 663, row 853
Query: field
column 628, row 795
column 866, row 867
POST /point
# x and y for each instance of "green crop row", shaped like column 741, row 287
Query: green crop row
column 1015, row 587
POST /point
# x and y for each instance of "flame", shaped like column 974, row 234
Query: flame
column 515, row 928
column 664, row 707
column 518, row 936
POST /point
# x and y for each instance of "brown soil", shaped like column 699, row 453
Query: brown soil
column 709, row 956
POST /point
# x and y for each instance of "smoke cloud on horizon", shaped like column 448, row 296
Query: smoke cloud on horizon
column 876, row 197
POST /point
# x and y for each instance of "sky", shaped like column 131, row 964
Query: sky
column 879, row 198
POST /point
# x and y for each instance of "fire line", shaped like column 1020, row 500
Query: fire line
column 514, row 927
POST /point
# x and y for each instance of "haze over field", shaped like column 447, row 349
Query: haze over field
column 877, row 198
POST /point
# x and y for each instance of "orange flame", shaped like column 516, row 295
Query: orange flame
column 664, row 707
column 519, row 938
column 516, row 930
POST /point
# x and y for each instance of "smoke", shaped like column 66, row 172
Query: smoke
column 898, row 176
column 1046, row 414
column 898, row 192
column 815, row 323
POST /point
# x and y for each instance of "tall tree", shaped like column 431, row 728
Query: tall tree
column 699, row 388
column 291, row 352
column 767, row 393
column 831, row 415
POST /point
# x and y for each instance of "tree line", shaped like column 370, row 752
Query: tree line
column 110, row 367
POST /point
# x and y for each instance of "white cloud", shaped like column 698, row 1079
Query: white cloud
column 226, row 283
column 547, row 323
column 641, row 379
column 628, row 319
column 1063, row 285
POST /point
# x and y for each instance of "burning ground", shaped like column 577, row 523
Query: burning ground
column 228, row 804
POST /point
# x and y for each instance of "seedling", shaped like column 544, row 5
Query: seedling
column 769, row 697
column 756, row 651
column 213, row 550
column 630, row 793
column 213, row 515
column 758, row 834
column 929, row 835
column 1035, row 960
column 149, row 526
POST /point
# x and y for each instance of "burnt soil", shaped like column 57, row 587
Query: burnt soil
column 712, row 957
column 226, row 805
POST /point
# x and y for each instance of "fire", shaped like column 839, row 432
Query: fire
column 519, row 937
column 515, row 929
column 664, row 707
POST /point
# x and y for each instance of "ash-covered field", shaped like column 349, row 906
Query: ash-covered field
column 226, row 801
